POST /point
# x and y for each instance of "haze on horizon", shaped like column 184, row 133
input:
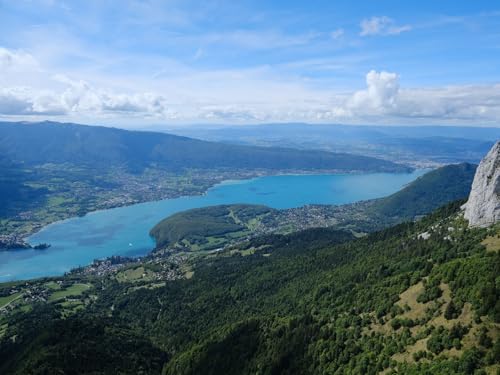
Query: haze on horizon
column 138, row 63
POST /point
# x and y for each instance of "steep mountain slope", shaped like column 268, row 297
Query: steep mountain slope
column 99, row 147
column 483, row 206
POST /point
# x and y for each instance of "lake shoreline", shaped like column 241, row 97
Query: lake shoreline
column 124, row 231
column 23, row 242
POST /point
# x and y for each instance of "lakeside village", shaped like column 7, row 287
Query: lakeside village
column 75, row 287
column 127, row 189
column 299, row 218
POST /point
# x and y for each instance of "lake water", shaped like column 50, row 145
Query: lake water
column 125, row 230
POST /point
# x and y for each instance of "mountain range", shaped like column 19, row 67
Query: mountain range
column 102, row 147
column 433, row 144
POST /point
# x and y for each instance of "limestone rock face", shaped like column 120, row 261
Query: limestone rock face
column 483, row 206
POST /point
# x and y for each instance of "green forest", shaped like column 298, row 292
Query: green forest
column 208, row 227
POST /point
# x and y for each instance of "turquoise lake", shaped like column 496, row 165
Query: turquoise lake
column 125, row 230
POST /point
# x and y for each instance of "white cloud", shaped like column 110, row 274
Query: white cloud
column 380, row 95
column 24, row 101
column 11, row 103
column 79, row 98
column 381, row 26
column 385, row 100
column 28, row 90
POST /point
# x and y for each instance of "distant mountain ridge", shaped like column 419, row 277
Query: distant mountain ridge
column 347, row 131
column 48, row 142
column 439, row 144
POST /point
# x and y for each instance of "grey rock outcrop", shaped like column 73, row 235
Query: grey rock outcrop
column 483, row 206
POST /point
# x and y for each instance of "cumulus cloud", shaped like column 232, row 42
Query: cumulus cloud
column 24, row 101
column 382, row 101
column 79, row 98
column 27, row 90
column 380, row 95
column 383, row 98
column 381, row 26
column 12, row 104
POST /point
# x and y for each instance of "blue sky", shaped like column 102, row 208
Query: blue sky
column 137, row 63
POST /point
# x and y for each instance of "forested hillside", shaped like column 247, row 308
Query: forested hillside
column 428, row 192
column 418, row 298
column 209, row 227
column 15, row 194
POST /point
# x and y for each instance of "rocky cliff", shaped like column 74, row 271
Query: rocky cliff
column 483, row 206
